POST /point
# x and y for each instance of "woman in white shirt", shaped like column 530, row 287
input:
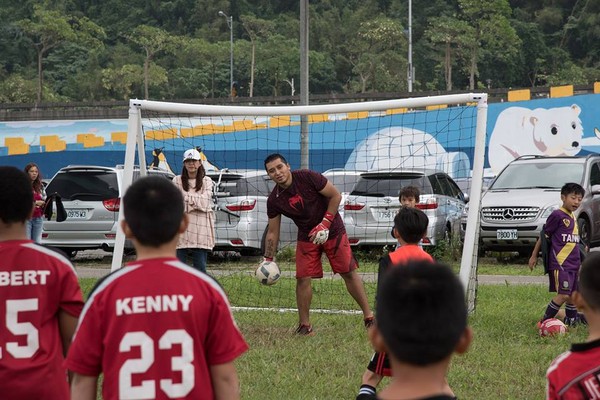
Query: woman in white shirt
column 196, row 188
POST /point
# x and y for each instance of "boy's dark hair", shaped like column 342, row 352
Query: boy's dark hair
column 153, row 209
column 572, row 188
column 411, row 224
column 589, row 280
column 16, row 195
column 274, row 157
column 421, row 312
column 410, row 191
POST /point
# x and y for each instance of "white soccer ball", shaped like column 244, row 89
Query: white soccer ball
column 268, row 273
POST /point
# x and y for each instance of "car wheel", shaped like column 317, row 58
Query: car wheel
column 584, row 231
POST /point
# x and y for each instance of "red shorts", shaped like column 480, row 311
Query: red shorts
column 337, row 250
column 380, row 364
column 563, row 281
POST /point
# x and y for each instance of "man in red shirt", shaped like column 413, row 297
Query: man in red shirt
column 311, row 201
column 40, row 301
column 157, row 328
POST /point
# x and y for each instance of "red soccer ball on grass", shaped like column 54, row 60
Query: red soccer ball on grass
column 552, row 327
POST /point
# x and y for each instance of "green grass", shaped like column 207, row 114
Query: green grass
column 507, row 359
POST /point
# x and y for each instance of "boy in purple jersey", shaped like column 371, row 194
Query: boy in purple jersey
column 575, row 374
column 564, row 257
column 312, row 202
column 156, row 328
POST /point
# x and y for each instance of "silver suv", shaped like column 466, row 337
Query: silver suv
column 91, row 196
column 372, row 205
column 241, row 211
column 515, row 207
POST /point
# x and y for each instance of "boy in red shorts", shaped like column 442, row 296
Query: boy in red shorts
column 156, row 328
column 311, row 201
column 410, row 226
column 40, row 301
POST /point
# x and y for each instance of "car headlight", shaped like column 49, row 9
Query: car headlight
column 546, row 213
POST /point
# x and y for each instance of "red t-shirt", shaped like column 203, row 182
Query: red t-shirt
column 303, row 204
column 35, row 283
column 154, row 328
column 575, row 374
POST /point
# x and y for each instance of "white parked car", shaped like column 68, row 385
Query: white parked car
column 241, row 211
column 372, row 205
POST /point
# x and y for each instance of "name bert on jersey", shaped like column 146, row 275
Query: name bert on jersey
column 23, row 278
column 151, row 304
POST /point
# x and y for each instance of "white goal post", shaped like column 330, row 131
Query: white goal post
column 167, row 114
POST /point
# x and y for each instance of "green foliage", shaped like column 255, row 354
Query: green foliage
column 355, row 46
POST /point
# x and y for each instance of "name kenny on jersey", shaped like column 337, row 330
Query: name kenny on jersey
column 152, row 304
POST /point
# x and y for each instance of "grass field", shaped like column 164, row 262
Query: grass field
column 507, row 359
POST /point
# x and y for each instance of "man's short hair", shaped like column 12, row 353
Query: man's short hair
column 153, row 209
column 589, row 280
column 572, row 188
column 411, row 224
column 421, row 312
column 16, row 195
column 273, row 157
column 410, row 191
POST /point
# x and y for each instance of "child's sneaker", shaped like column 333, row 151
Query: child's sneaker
column 369, row 321
column 305, row 330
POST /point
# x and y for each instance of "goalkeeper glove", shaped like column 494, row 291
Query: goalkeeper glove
column 320, row 233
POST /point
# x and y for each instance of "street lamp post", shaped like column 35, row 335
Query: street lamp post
column 229, row 20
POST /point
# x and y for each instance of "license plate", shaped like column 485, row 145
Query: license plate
column 76, row 214
column 507, row 234
column 386, row 215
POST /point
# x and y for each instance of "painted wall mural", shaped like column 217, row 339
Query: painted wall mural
column 442, row 138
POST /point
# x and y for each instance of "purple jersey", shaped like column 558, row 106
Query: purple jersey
column 303, row 204
column 561, row 228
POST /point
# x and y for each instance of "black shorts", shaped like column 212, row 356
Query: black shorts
column 380, row 364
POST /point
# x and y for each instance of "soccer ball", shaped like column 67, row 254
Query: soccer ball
column 551, row 327
column 268, row 273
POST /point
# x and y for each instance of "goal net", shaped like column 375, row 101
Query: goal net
column 371, row 151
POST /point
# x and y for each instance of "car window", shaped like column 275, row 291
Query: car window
column 449, row 188
column 382, row 186
column 538, row 175
column 235, row 185
column 85, row 185
column 595, row 175
column 436, row 185
column 343, row 182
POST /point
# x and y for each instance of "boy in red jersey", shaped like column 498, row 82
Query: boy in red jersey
column 410, row 226
column 564, row 257
column 575, row 375
column 311, row 201
column 157, row 328
column 40, row 301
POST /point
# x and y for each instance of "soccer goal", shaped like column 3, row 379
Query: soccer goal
column 369, row 150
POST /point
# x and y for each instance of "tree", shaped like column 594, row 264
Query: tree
column 492, row 32
column 49, row 29
column 255, row 28
column 153, row 41
column 451, row 34
column 375, row 54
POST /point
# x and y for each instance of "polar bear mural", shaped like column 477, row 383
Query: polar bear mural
column 521, row 131
column 399, row 147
